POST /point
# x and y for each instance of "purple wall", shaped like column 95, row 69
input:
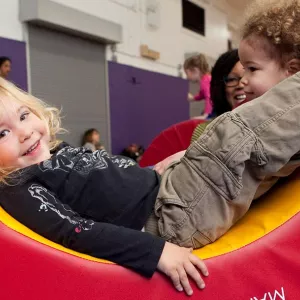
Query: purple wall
column 17, row 52
column 142, row 104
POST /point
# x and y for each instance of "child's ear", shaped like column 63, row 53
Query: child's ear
column 293, row 66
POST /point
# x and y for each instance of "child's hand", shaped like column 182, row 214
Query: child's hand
column 177, row 263
column 190, row 97
column 161, row 166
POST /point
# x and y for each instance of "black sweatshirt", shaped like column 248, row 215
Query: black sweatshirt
column 91, row 203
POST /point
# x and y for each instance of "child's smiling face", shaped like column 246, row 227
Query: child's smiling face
column 24, row 138
column 262, row 72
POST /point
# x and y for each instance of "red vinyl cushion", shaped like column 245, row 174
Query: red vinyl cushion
column 30, row 270
column 172, row 140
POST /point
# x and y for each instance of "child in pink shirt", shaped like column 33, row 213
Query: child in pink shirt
column 197, row 69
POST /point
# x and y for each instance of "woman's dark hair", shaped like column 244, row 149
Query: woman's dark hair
column 3, row 59
column 222, row 68
column 87, row 136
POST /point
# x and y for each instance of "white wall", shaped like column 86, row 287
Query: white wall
column 170, row 39
column 10, row 26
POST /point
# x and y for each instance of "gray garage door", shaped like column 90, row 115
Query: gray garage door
column 70, row 72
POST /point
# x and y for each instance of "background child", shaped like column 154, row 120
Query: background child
column 91, row 140
column 5, row 66
column 133, row 151
column 197, row 69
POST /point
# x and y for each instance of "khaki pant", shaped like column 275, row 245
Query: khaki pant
column 237, row 159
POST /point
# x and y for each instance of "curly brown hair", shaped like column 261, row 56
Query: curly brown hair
column 197, row 61
column 278, row 22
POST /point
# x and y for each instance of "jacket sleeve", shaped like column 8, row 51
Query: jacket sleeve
column 40, row 210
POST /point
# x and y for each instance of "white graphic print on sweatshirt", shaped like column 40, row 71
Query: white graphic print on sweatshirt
column 49, row 202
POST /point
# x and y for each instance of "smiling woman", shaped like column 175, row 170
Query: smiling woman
column 234, row 87
column 226, row 88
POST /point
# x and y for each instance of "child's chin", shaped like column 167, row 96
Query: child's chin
column 241, row 103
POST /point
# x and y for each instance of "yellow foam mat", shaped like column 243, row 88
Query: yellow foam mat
column 264, row 216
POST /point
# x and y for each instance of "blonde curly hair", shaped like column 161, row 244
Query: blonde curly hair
column 50, row 115
column 278, row 22
column 197, row 61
